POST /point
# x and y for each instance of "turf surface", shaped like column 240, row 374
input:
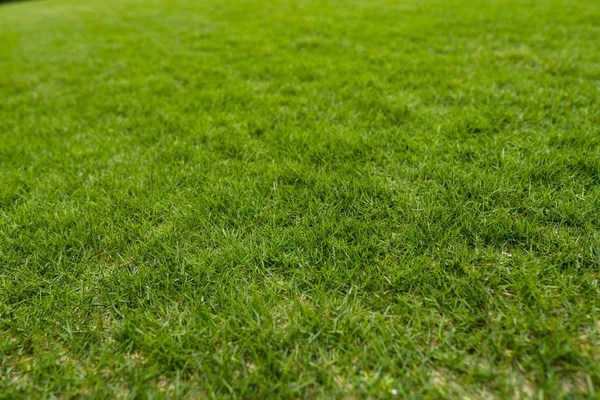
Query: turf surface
column 300, row 198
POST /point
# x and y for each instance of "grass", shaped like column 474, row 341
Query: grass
column 300, row 199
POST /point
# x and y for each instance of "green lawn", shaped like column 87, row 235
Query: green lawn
column 300, row 199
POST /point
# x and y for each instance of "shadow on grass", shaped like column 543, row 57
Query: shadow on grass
column 2, row 2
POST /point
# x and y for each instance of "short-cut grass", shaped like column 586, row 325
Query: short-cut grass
column 300, row 198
